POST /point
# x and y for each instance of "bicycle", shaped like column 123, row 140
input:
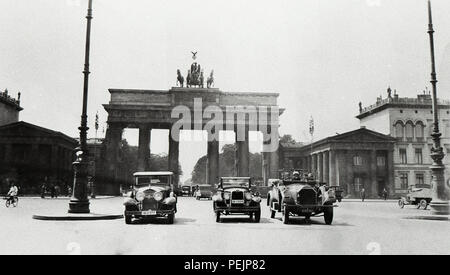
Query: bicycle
column 14, row 201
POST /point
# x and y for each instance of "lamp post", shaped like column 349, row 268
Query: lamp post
column 440, row 196
column 79, row 203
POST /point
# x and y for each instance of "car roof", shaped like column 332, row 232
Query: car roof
column 137, row 174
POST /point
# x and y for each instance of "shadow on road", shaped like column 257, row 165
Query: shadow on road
column 243, row 219
column 312, row 221
column 177, row 221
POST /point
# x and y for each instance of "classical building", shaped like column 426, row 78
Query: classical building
column 9, row 108
column 410, row 122
column 31, row 155
column 353, row 160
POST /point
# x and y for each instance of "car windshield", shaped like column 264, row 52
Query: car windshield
column 206, row 188
column 143, row 181
column 236, row 182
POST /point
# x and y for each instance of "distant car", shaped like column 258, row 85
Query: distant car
column 152, row 196
column 419, row 195
column 301, row 196
column 185, row 190
column 204, row 191
column 234, row 196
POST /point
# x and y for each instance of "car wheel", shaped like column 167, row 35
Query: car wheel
column 308, row 218
column 170, row 218
column 423, row 204
column 16, row 202
column 251, row 215
column 328, row 215
column 285, row 216
column 8, row 203
column 268, row 200
column 217, row 216
column 128, row 219
column 401, row 204
column 258, row 216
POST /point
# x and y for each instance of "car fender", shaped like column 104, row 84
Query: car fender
column 129, row 202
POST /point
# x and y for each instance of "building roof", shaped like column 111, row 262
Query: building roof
column 359, row 135
column 25, row 125
column 422, row 101
column 8, row 100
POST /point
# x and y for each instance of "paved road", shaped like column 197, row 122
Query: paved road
column 359, row 228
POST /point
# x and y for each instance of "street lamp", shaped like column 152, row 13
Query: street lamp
column 79, row 203
column 440, row 201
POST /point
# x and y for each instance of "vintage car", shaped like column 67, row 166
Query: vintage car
column 301, row 195
column 204, row 191
column 419, row 195
column 234, row 197
column 152, row 196
column 186, row 190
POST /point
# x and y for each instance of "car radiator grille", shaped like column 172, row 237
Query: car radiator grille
column 307, row 197
column 237, row 195
column 149, row 203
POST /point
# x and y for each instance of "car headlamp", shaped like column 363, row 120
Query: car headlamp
column 158, row 196
column 248, row 196
column 226, row 196
column 140, row 196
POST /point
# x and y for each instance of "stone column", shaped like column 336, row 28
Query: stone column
column 326, row 167
column 333, row 169
column 144, row 148
column 110, row 174
column 390, row 185
column 174, row 153
column 213, row 162
column 320, row 166
column 54, row 163
column 314, row 165
column 243, row 156
column 373, row 174
column 265, row 168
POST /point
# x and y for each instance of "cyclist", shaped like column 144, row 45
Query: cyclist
column 12, row 193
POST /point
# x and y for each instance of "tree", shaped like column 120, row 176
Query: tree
column 227, row 165
column 287, row 139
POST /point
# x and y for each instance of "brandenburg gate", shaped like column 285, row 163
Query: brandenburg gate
column 197, row 106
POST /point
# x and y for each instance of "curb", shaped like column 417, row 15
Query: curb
column 74, row 217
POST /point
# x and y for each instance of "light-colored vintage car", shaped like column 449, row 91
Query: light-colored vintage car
column 419, row 195
column 204, row 191
column 152, row 196
column 301, row 195
column 234, row 197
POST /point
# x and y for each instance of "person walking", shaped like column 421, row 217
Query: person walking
column 363, row 194
column 385, row 194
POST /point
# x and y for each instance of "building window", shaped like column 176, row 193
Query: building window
column 404, row 181
column 403, row 156
column 381, row 161
column 419, row 157
column 420, row 179
column 357, row 160
column 419, row 130
column 358, row 184
column 399, row 130
column 409, row 130
column 2, row 152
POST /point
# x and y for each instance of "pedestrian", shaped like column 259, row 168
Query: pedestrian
column 43, row 190
column 69, row 191
column 363, row 194
column 385, row 194
column 57, row 191
column 52, row 191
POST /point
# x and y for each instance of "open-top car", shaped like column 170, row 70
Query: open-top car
column 301, row 195
column 419, row 195
column 234, row 197
column 186, row 190
column 151, row 196
column 204, row 191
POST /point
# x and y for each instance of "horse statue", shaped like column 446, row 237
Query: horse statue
column 180, row 79
column 188, row 79
column 210, row 80
column 201, row 80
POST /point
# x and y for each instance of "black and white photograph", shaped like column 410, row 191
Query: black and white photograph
column 199, row 128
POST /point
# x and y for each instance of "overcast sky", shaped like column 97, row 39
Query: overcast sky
column 322, row 56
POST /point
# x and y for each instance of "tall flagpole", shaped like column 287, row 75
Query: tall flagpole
column 79, row 203
column 440, row 201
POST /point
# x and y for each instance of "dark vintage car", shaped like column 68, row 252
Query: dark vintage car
column 204, row 191
column 301, row 196
column 234, row 197
column 152, row 196
column 419, row 195
column 186, row 190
